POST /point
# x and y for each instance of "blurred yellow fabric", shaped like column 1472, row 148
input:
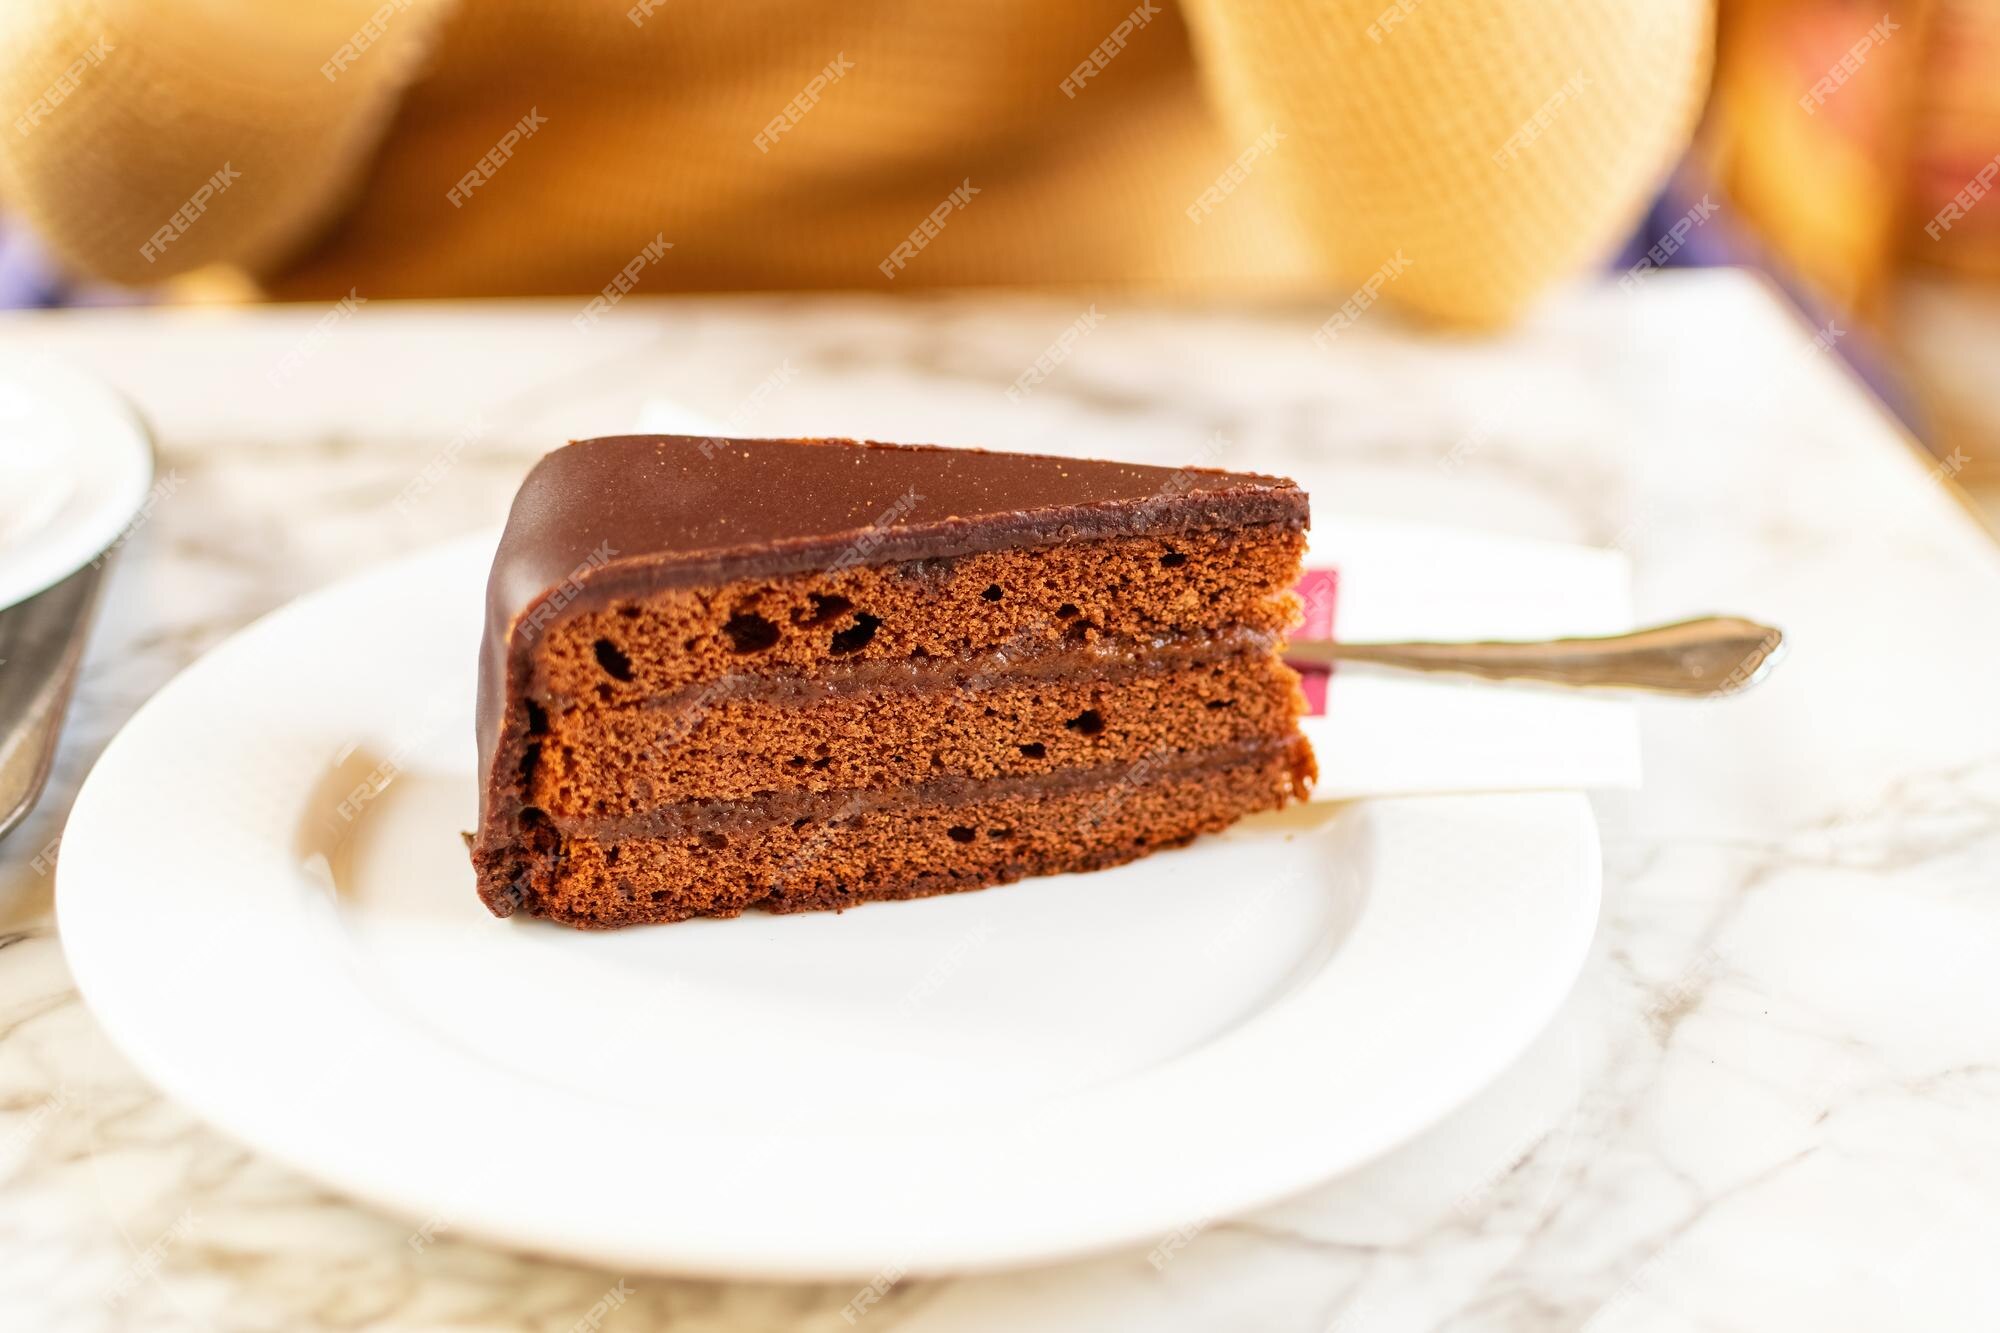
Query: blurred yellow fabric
column 1474, row 152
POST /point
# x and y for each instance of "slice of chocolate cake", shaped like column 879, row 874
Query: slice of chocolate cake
column 800, row 674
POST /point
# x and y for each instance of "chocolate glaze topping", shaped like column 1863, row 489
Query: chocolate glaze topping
column 615, row 517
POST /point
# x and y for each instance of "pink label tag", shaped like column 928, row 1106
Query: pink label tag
column 1318, row 589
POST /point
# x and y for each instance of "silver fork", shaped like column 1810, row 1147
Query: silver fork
column 1702, row 658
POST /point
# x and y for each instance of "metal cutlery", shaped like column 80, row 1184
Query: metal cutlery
column 1702, row 658
column 41, row 651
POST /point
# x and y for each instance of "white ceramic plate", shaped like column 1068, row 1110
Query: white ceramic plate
column 265, row 900
column 75, row 466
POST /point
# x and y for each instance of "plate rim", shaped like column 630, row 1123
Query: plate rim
column 79, row 920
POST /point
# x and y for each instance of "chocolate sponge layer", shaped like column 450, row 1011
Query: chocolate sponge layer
column 598, row 763
column 881, row 624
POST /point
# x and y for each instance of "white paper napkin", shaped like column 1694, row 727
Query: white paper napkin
column 1396, row 733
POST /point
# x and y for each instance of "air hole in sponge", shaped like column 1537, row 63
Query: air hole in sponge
column 715, row 842
column 1088, row 722
column 856, row 636
column 1066, row 610
column 960, row 833
column 1173, row 560
column 538, row 719
column 749, row 632
column 992, row 593
column 1035, row 750
column 826, row 608
column 616, row 665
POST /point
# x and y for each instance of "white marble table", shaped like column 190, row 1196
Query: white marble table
column 1773, row 1100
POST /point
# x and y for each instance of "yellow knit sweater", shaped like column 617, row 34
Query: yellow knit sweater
column 1470, row 150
